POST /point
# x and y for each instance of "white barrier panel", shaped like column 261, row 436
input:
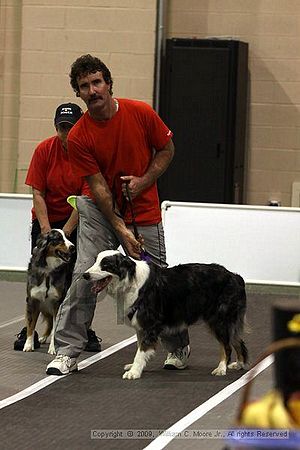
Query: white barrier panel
column 15, row 220
column 261, row 243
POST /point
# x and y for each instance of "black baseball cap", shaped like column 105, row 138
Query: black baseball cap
column 67, row 112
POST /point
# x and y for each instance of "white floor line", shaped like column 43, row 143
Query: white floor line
column 163, row 440
column 52, row 378
column 10, row 322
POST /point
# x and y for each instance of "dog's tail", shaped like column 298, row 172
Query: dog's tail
column 242, row 322
column 246, row 325
column 244, row 351
column 240, row 327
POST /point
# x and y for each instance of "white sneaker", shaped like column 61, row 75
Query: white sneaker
column 177, row 359
column 62, row 365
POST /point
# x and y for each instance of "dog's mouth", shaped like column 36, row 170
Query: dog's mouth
column 99, row 285
column 62, row 255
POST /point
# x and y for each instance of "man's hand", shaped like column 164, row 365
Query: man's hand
column 103, row 198
column 158, row 165
column 132, row 246
column 135, row 186
column 67, row 231
column 45, row 229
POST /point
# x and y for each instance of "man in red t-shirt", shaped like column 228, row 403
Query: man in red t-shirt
column 52, row 180
column 121, row 147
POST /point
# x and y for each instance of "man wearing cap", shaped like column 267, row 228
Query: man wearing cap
column 52, row 181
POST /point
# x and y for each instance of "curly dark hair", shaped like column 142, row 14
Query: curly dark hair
column 86, row 64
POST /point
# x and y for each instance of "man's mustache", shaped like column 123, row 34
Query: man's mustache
column 94, row 97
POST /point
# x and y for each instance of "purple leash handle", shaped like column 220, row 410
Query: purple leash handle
column 145, row 257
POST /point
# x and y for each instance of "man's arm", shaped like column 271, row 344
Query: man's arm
column 158, row 166
column 40, row 208
column 104, row 201
column 71, row 223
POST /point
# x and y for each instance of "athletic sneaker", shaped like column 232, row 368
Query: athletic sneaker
column 21, row 339
column 177, row 359
column 62, row 365
column 93, row 344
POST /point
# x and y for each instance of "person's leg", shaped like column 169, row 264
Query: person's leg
column 93, row 342
column 176, row 345
column 154, row 243
column 76, row 312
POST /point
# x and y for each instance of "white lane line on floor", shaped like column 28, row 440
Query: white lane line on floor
column 163, row 440
column 52, row 378
column 11, row 322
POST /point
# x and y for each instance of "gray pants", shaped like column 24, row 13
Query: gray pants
column 75, row 314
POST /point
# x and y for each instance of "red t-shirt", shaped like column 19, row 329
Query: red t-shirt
column 50, row 172
column 120, row 146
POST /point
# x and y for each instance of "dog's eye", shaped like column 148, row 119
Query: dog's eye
column 107, row 266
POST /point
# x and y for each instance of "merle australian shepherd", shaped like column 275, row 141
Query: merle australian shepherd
column 158, row 300
column 49, row 277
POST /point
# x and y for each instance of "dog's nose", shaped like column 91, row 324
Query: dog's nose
column 86, row 276
column 72, row 248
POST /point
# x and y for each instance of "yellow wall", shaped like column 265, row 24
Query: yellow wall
column 52, row 35
column 272, row 29
column 10, row 50
column 40, row 39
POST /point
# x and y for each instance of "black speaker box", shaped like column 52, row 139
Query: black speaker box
column 203, row 100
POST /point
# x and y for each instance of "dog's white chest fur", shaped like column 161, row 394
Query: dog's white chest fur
column 42, row 292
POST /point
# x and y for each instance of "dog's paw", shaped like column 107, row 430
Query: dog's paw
column 219, row 372
column 238, row 365
column 128, row 366
column 131, row 375
column 51, row 350
column 43, row 339
column 28, row 347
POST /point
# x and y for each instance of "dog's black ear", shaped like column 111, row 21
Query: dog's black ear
column 40, row 251
column 54, row 237
column 119, row 265
column 127, row 267
column 42, row 240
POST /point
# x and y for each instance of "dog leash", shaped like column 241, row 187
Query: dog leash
column 144, row 255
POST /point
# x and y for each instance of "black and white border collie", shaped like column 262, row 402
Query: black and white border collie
column 158, row 300
column 49, row 277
